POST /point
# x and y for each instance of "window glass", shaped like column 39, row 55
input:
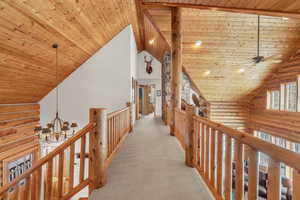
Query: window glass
column 297, row 148
column 291, row 97
column 274, row 100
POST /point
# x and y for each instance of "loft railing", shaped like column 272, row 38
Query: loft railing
column 227, row 160
column 46, row 181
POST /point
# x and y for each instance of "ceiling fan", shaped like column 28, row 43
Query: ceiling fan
column 258, row 58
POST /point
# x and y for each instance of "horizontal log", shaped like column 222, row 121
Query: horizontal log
column 15, row 123
column 23, row 115
column 18, row 108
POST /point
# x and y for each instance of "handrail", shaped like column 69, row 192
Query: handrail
column 48, row 157
column 114, row 113
column 280, row 154
column 228, row 160
column 106, row 133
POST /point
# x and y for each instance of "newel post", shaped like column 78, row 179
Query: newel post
column 129, row 104
column 190, row 151
column 97, row 148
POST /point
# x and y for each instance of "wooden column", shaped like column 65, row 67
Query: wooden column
column 176, row 63
column 190, row 152
column 97, row 149
column 129, row 104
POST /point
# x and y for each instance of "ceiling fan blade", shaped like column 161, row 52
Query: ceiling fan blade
column 274, row 57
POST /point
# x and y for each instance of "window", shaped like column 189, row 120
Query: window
column 297, row 148
column 289, row 94
column 274, row 99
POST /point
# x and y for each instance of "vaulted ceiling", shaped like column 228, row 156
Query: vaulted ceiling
column 222, row 66
column 28, row 28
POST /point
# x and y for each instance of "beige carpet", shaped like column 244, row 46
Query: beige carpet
column 150, row 166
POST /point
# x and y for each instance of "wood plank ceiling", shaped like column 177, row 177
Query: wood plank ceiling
column 28, row 28
column 221, row 67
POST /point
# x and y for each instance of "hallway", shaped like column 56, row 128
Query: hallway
column 150, row 166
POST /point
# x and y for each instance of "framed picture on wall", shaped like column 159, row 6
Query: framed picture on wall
column 158, row 93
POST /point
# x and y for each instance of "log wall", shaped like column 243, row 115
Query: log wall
column 16, row 131
column 278, row 123
column 233, row 114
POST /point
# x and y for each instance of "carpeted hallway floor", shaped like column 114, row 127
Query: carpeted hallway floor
column 150, row 166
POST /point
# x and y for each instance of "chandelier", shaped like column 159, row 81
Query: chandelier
column 57, row 130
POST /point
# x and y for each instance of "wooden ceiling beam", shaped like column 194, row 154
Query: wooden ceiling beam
column 140, row 17
column 225, row 9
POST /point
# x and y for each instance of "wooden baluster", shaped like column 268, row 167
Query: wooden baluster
column 48, row 192
column 199, row 143
column 38, row 183
column 274, row 180
column 213, row 157
column 207, row 152
column 12, row 195
column 60, row 174
column 82, row 158
column 239, row 171
column 33, row 186
column 228, row 169
column 220, row 164
column 114, row 136
column 71, row 166
column 203, row 146
column 109, row 132
column 26, row 194
column 252, row 174
column 296, row 184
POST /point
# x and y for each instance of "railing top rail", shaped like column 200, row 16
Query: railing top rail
column 48, row 157
column 112, row 114
column 283, row 155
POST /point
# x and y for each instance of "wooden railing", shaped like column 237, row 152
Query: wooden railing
column 181, row 127
column 119, row 126
column 48, row 179
column 227, row 159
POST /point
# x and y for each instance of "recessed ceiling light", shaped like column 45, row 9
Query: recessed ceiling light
column 285, row 18
column 242, row 70
column 206, row 73
column 151, row 41
column 198, row 43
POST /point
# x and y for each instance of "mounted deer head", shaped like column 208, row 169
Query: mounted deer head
column 148, row 65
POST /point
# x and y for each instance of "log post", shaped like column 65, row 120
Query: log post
column 97, row 148
column 176, row 64
column 129, row 104
column 190, row 152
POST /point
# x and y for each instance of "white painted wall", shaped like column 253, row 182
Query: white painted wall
column 148, row 79
column 104, row 80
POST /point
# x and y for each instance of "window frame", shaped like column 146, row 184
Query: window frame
column 270, row 99
column 284, row 96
